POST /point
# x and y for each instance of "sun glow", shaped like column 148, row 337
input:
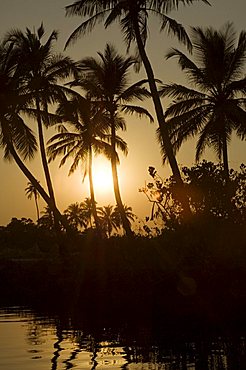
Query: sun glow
column 102, row 176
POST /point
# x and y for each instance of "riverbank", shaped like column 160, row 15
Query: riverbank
column 160, row 282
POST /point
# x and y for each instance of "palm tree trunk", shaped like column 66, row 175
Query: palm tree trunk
column 227, row 177
column 45, row 164
column 225, row 159
column 39, row 188
column 36, row 204
column 92, row 194
column 125, row 222
column 161, row 122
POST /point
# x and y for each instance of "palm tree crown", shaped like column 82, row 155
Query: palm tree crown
column 75, row 215
column 215, row 108
column 31, row 191
column 109, row 219
column 40, row 69
column 14, row 133
column 128, row 12
column 133, row 17
column 88, row 123
column 16, row 138
column 105, row 81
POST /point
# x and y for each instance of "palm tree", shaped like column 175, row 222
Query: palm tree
column 109, row 219
column 47, row 219
column 133, row 17
column 216, row 106
column 75, row 215
column 16, row 138
column 31, row 191
column 42, row 70
column 87, row 122
column 87, row 210
column 128, row 212
column 105, row 81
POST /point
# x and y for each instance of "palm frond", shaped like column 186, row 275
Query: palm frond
column 23, row 137
column 176, row 29
column 139, row 111
column 84, row 28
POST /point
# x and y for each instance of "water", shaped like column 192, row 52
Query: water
column 33, row 341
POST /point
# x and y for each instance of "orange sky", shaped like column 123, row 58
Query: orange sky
column 140, row 135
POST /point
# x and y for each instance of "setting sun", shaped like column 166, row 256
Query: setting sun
column 102, row 176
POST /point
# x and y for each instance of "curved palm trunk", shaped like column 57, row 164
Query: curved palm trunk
column 125, row 222
column 45, row 164
column 39, row 188
column 161, row 121
column 92, row 194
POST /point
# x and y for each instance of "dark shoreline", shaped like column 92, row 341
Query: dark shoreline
column 190, row 302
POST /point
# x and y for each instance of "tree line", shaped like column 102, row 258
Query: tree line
column 88, row 100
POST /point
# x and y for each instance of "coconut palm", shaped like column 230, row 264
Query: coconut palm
column 133, row 17
column 75, row 215
column 31, row 192
column 128, row 212
column 87, row 210
column 215, row 107
column 109, row 219
column 42, row 69
column 47, row 219
column 16, row 138
column 87, row 122
column 105, row 80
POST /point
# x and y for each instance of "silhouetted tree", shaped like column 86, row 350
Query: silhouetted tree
column 31, row 191
column 128, row 212
column 106, row 80
column 88, row 135
column 16, row 138
column 41, row 70
column 21, row 234
column 109, row 219
column 87, row 210
column 208, row 194
column 133, row 17
column 47, row 219
column 75, row 215
column 216, row 107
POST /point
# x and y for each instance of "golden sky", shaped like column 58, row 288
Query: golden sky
column 140, row 135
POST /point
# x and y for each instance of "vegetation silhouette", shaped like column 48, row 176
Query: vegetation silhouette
column 208, row 193
column 191, row 273
column 40, row 70
column 87, row 136
column 133, row 18
column 76, row 216
column 31, row 191
column 105, row 81
column 214, row 108
column 17, row 139
column 109, row 219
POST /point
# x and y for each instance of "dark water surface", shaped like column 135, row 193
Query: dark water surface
column 30, row 340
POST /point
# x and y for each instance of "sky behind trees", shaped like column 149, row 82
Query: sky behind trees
column 140, row 136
